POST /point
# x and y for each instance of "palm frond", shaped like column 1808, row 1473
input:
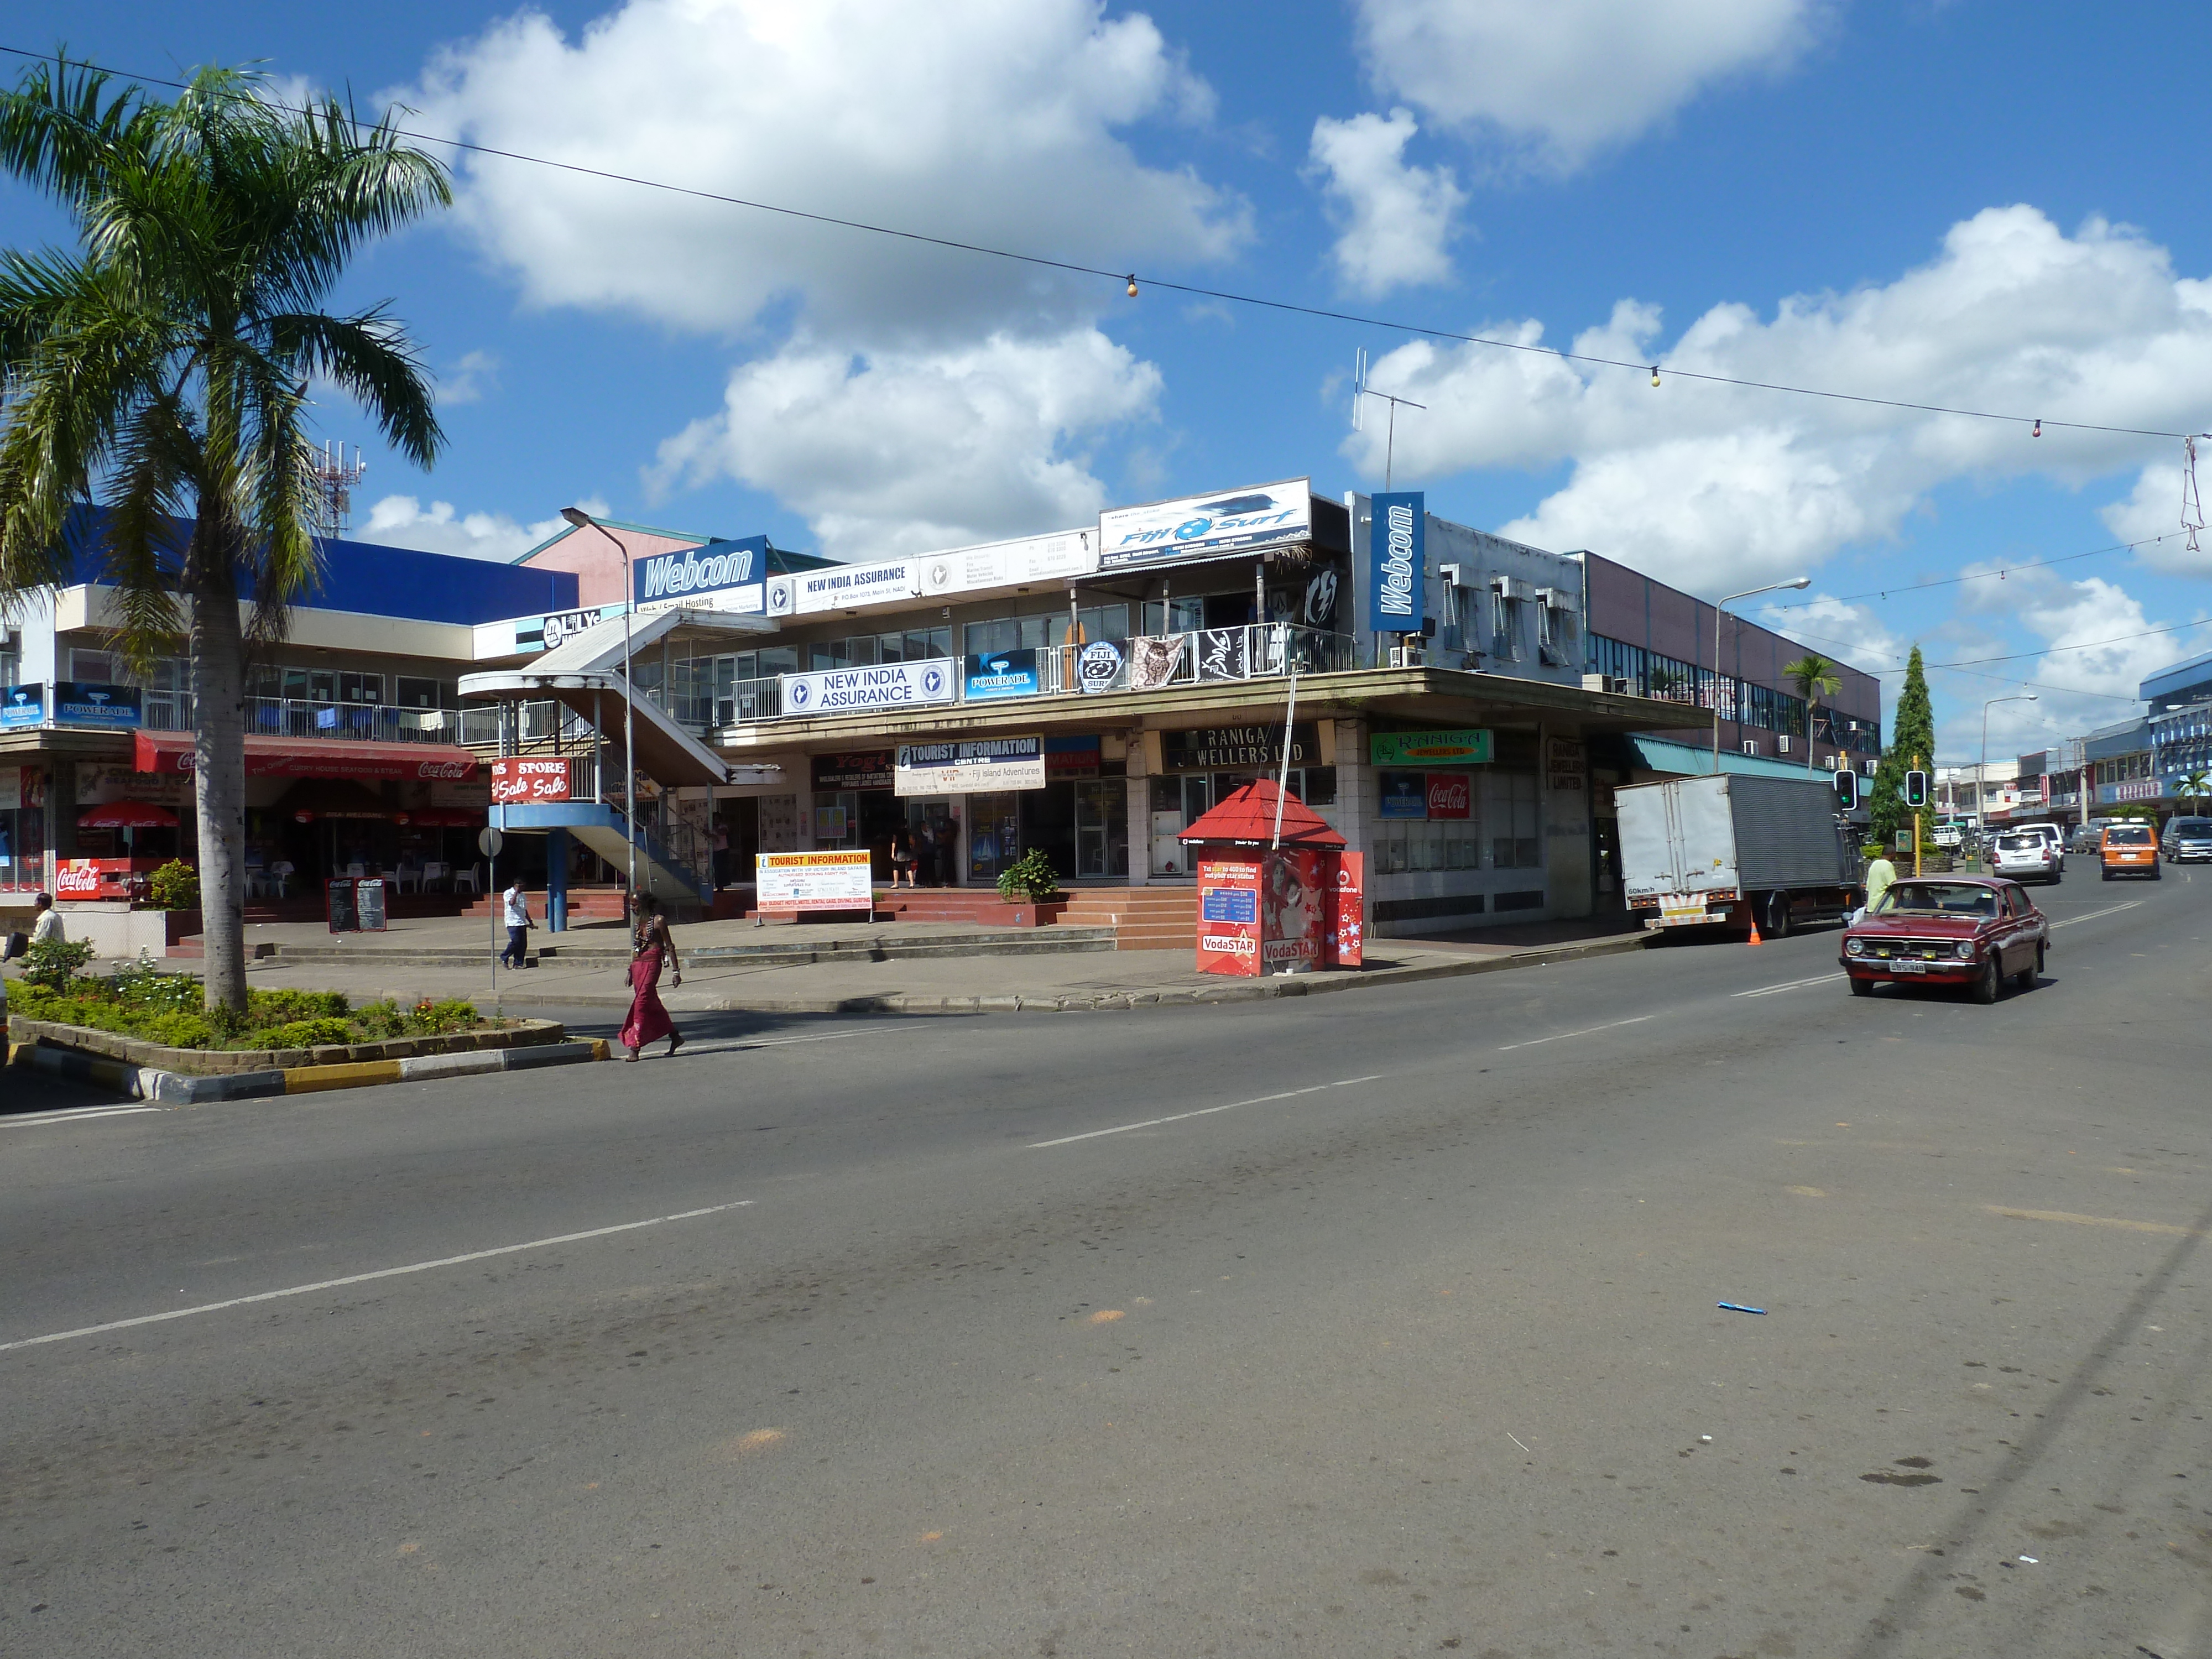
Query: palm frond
column 369, row 356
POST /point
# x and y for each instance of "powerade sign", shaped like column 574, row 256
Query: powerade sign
column 1001, row 674
column 691, row 572
column 114, row 707
column 22, row 705
column 1397, row 543
column 890, row 686
column 1200, row 526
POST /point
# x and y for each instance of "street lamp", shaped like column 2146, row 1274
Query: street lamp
column 583, row 520
column 1981, row 786
column 1795, row 581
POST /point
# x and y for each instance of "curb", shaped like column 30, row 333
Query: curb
column 177, row 1088
column 1301, row 985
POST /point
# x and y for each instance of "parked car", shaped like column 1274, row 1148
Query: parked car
column 2129, row 849
column 1972, row 931
column 2187, row 839
column 2034, row 851
column 1949, row 836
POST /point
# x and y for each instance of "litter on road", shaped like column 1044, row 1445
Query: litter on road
column 1737, row 1307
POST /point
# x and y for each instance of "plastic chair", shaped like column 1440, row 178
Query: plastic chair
column 470, row 879
column 434, row 871
column 409, row 878
column 356, row 871
column 281, row 873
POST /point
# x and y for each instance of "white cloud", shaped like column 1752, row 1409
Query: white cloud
column 1562, row 80
column 404, row 521
column 1712, row 486
column 471, row 379
column 904, row 452
column 2151, row 514
column 989, row 121
column 1851, row 634
column 1394, row 221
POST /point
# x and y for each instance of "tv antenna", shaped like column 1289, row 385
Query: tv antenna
column 1360, row 389
column 335, row 478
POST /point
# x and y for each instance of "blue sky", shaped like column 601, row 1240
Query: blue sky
column 1954, row 203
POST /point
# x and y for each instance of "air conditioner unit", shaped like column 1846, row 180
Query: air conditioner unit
column 1448, row 574
column 1751, row 745
column 1868, row 767
column 1782, row 743
column 1513, row 587
column 1555, row 599
column 1835, row 763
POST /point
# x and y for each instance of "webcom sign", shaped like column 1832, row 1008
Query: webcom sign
column 1396, row 546
column 710, row 576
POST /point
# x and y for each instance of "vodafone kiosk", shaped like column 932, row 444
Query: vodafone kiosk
column 1271, row 904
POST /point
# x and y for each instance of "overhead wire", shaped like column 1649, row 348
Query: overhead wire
column 1228, row 296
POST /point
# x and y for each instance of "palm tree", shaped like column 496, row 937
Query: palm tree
column 2197, row 786
column 161, row 370
column 1815, row 677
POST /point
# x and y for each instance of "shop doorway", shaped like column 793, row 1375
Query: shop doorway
column 935, row 827
column 994, row 836
column 1102, row 830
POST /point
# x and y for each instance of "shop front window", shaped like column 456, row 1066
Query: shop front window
column 994, row 837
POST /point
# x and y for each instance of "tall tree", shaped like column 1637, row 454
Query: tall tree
column 161, row 371
column 1912, row 737
column 1815, row 677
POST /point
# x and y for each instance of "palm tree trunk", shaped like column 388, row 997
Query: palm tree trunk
column 1811, row 709
column 217, row 651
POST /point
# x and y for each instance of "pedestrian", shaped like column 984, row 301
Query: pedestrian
column 518, row 927
column 1881, row 875
column 902, row 858
column 947, row 842
column 650, row 949
column 722, row 851
column 49, row 924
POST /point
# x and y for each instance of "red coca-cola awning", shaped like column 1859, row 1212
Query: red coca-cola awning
column 276, row 757
column 1248, row 815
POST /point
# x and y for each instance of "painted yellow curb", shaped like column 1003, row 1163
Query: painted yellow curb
column 599, row 1049
column 310, row 1079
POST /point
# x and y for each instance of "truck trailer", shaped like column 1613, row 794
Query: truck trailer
column 1737, row 850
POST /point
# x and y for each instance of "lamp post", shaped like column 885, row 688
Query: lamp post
column 1981, row 786
column 1795, row 581
column 581, row 519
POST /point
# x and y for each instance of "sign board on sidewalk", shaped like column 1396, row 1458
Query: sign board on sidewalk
column 1228, row 916
column 355, row 905
column 975, row 767
column 799, row 882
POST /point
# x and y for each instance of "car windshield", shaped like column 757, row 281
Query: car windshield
column 2133, row 834
column 1937, row 898
column 2191, row 826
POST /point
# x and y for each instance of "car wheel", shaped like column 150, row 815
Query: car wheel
column 1988, row 987
column 2025, row 979
column 1774, row 923
column 2106, row 871
column 1861, row 987
column 2057, row 876
column 2157, row 874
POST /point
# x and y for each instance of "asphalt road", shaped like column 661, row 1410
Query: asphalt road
column 1391, row 1329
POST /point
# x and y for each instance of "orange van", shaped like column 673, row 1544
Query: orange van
column 2129, row 849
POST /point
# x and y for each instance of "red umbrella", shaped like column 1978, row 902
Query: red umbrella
column 127, row 815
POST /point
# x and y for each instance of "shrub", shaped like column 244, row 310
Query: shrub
column 282, row 1007
column 438, row 1018
column 379, row 1020
column 142, row 984
column 174, row 886
column 176, row 1031
column 300, row 1034
column 1029, row 876
column 52, row 963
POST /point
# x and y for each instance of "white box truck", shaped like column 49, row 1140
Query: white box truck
column 1736, row 850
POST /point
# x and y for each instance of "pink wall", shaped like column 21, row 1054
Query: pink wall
column 599, row 567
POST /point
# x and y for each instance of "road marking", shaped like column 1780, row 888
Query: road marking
column 72, row 1114
column 1793, row 984
column 381, row 1272
column 2110, row 909
column 1563, row 1036
column 1346, row 1082
column 1178, row 1117
column 2164, row 1227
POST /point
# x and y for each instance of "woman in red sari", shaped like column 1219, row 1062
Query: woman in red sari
column 650, row 949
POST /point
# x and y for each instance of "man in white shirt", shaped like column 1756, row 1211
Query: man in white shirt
column 517, row 927
column 49, row 924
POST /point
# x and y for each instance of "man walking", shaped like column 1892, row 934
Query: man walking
column 518, row 927
column 49, row 924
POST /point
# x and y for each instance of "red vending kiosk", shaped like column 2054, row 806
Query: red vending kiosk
column 1270, row 907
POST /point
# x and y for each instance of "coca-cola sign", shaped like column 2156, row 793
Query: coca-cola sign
column 452, row 769
column 519, row 780
column 1451, row 795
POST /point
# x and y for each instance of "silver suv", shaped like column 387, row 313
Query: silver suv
column 2035, row 852
column 2187, row 839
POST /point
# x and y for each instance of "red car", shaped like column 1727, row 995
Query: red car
column 1974, row 931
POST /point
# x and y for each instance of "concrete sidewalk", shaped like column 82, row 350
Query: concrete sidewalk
column 963, row 984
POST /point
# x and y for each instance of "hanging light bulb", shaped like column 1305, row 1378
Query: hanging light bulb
column 1654, row 374
column 1132, row 285
column 2038, row 431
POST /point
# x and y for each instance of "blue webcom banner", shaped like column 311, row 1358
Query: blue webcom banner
column 1396, row 547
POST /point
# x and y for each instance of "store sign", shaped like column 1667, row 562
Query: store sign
column 1230, row 748
column 974, row 768
column 1450, row 794
column 1404, row 795
column 519, row 780
column 1001, row 674
column 1351, row 940
column 22, row 705
column 1006, row 564
column 888, row 685
column 1201, row 526
column 1070, row 758
column 710, row 577
column 1224, row 653
column 861, row 768
column 835, row 880
column 1565, row 764
column 1229, row 917
column 551, row 633
column 112, row 707
column 1396, row 545
column 1469, row 746
column 1099, row 664
column 843, row 586
column 77, row 879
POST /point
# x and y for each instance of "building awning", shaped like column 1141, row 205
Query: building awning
column 274, row 757
column 1686, row 760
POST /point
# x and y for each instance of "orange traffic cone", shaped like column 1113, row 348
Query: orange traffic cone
column 1755, row 939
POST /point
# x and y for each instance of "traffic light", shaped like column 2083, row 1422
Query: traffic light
column 1915, row 790
column 1847, row 790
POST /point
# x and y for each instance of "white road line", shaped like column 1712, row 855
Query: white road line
column 1346, row 1082
column 1178, row 1117
column 1793, row 984
column 363, row 1278
column 1562, row 1036
column 71, row 1115
column 2110, row 909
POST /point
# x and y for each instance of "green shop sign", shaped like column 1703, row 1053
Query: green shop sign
column 1464, row 748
